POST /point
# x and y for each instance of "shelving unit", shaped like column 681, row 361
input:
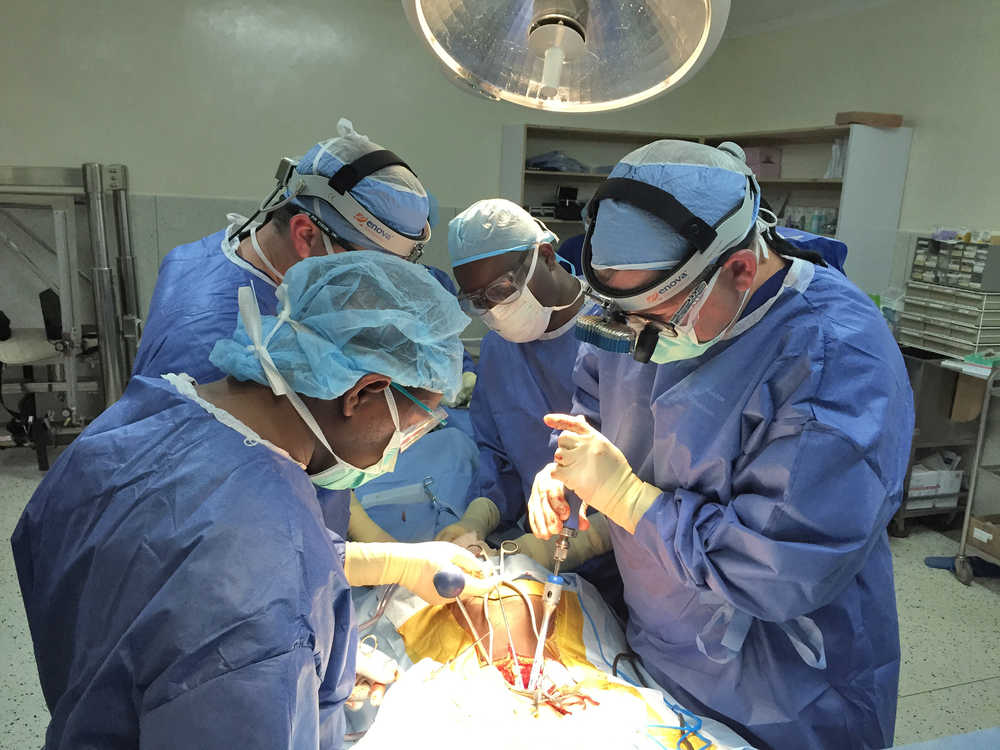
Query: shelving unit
column 868, row 197
column 933, row 387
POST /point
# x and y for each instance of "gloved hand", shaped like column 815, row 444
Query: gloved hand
column 465, row 392
column 590, row 465
column 480, row 518
column 374, row 671
column 414, row 566
column 360, row 526
column 548, row 496
column 586, row 545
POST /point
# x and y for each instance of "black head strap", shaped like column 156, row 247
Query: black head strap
column 351, row 174
column 660, row 204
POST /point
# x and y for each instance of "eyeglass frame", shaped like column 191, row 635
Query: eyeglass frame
column 466, row 299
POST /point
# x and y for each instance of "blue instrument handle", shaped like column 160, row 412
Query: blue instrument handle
column 573, row 522
column 449, row 582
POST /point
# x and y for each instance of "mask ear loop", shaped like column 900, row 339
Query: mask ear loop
column 263, row 258
column 764, row 225
column 250, row 314
column 326, row 240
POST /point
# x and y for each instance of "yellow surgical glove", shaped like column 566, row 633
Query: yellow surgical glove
column 465, row 392
column 414, row 566
column 593, row 467
column 586, row 545
column 360, row 526
column 480, row 518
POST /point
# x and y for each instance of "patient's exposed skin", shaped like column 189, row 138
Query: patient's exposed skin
column 518, row 619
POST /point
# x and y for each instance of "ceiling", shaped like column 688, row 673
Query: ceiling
column 749, row 17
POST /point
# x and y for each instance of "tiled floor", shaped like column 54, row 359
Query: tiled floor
column 950, row 680
column 950, row 639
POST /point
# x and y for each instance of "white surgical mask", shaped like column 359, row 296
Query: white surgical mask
column 685, row 344
column 525, row 318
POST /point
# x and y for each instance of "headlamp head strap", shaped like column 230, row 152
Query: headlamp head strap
column 335, row 192
column 351, row 174
column 707, row 243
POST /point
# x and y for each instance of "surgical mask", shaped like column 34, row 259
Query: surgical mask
column 524, row 318
column 342, row 475
column 685, row 344
column 346, row 476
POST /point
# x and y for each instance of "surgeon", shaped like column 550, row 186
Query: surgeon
column 194, row 302
column 749, row 468
column 505, row 263
column 179, row 583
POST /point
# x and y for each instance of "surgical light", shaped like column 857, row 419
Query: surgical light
column 570, row 55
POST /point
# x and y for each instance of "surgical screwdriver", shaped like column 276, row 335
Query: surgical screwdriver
column 567, row 532
column 554, row 585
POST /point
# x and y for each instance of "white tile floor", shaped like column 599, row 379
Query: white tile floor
column 950, row 633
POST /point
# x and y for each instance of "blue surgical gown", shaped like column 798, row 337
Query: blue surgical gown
column 781, row 455
column 518, row 384
column 410, row 509
column 833, row 251
column 193, row 306
column 181, row 588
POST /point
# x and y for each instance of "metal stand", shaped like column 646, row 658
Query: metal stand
column 61, row 190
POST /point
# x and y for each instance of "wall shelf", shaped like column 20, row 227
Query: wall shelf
column 565, row 175
column 867, row 199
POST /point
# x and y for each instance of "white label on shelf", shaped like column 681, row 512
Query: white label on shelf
column 981, row 535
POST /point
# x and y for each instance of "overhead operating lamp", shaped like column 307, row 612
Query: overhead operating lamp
column 570, row 55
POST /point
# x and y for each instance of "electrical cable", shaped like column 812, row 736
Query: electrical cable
column 527, row 603
column 15, row 414
column 675, row 708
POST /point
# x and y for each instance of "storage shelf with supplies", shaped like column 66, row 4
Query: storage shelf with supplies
column 974, row 266
column 861, row 208
column 948, row 320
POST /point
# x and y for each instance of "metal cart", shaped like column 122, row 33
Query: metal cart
column 963, row 569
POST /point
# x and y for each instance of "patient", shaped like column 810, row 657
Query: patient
column 461, row 682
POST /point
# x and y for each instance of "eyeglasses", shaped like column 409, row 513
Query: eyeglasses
column 432, row 419
column 501, row 291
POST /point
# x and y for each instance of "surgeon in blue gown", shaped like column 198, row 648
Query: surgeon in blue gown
column 194, row 301
column 510, row 277
column 180, row 586
column 749, row 470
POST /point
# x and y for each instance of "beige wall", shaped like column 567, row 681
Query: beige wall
column 201, row 97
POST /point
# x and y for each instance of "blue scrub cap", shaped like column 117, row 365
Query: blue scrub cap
column 393, row 194
column 492, row 227
column 709, row 181
column 342, row 316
